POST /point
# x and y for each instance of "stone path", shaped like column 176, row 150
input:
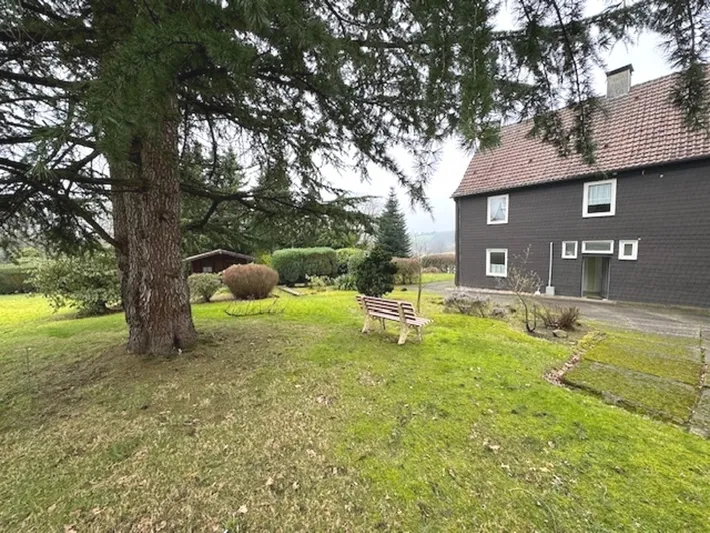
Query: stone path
column 635, row 317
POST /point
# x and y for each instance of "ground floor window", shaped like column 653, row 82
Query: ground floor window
column 497, row 262
column 628, row 250
column 569, row 250
column 207, row 269
column 597, row 247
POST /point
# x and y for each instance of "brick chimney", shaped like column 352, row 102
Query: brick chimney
column 618, row 82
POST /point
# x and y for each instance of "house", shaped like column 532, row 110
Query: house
column 216, row 261
column 634, row 227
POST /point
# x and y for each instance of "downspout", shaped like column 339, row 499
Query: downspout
column 457, row 254
column 550, row 289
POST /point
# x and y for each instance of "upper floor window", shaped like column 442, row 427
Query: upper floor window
column 498, row 209
column 599, row 199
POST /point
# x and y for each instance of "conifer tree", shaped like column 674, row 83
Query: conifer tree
column 392, row 229
column 99, row 98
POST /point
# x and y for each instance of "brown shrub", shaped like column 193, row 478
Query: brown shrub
column 560, row 318
column 250, row 282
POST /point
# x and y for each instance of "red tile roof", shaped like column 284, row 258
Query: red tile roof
column 639, row 129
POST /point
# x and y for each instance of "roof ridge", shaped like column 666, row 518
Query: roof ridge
column 633, row 88
column 639, row 129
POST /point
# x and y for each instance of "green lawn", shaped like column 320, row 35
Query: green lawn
column 297, row 421
column 439, row 276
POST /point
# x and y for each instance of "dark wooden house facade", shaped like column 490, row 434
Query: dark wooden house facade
column 634, row 227
column 216, row 261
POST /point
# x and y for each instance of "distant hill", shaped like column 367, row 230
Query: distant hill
column 435, row 242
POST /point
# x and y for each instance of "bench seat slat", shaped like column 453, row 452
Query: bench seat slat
column 411, row 322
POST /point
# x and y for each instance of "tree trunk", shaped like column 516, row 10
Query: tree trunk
column 147, row 226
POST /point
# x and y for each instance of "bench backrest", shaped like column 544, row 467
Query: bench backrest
column 387, row 307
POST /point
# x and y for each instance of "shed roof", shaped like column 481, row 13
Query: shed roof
column 640, row 129
column 219, row 251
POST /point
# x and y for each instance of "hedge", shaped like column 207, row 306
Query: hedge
column 294, row 265
column 14, row 279
column 344, row 255
column 445, row 262
column 355, row 261
column 407, row 270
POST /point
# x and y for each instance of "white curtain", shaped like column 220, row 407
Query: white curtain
column 600, row 194
column 498, row 209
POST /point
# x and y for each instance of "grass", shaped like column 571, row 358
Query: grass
column 299, row 422
column 651, row 373
column 664, row 398
column 437, row 276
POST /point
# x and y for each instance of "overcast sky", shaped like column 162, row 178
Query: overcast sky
column 649, row 63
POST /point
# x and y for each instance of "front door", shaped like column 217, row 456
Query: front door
column 595, row 277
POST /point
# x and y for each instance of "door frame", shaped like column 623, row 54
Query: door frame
column 608, row 275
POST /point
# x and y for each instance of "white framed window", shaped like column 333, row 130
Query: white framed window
column 497, row 262
column 207, row 269
column 628, row 250
column 597, row 247
column 569, row 249
column 498, row 209
column 599, row 199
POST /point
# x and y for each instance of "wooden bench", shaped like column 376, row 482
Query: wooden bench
column 395, row 310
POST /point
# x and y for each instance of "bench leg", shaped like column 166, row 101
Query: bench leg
column 382, row 321
column 403, row 332
column 420, row 333
column 367, row 327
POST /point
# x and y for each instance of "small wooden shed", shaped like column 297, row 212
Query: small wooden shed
column 216, row 261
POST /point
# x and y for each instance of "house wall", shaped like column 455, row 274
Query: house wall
column 667, row 208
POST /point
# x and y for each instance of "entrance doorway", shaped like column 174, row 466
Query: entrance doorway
column 595, row 277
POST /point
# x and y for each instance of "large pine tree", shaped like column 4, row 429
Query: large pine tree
column 392, row 229
column 100, row 98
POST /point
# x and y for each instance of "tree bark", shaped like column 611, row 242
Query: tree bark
column 147, row 227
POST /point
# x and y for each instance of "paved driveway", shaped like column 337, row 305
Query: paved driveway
column 638, row 317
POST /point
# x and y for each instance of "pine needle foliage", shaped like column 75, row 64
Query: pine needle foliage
column 392, row 229
column 289, row 86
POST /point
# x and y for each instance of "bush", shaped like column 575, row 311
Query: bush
column 89, row 282
column 431, row 270
column 444, row 262
column 264, row 259
column 250, row 282
column 319, row 283
column 204, row 285
column 13, row 279
column 560, row 318
column 407, row 270
column 465, row 304
column 355, row 261
column 375, row 275
column 294, row 265
column 345, row 282
column 343, row 256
